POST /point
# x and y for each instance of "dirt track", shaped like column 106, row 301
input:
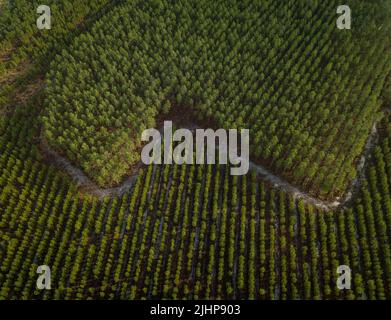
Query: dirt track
column 80, row 178
column 88, row 186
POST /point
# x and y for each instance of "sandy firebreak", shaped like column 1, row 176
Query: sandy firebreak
column 88, row 186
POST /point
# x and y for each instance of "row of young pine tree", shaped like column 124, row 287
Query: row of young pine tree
column 185, row 232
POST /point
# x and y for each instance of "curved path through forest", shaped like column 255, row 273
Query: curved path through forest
column 88, row 186
column 80, row 178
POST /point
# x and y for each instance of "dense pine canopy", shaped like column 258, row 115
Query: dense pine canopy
column 308, row 92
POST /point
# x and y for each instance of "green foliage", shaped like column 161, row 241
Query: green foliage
column 186, row 232
column 191, row 232
column 308, row 92
column 20, row 39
